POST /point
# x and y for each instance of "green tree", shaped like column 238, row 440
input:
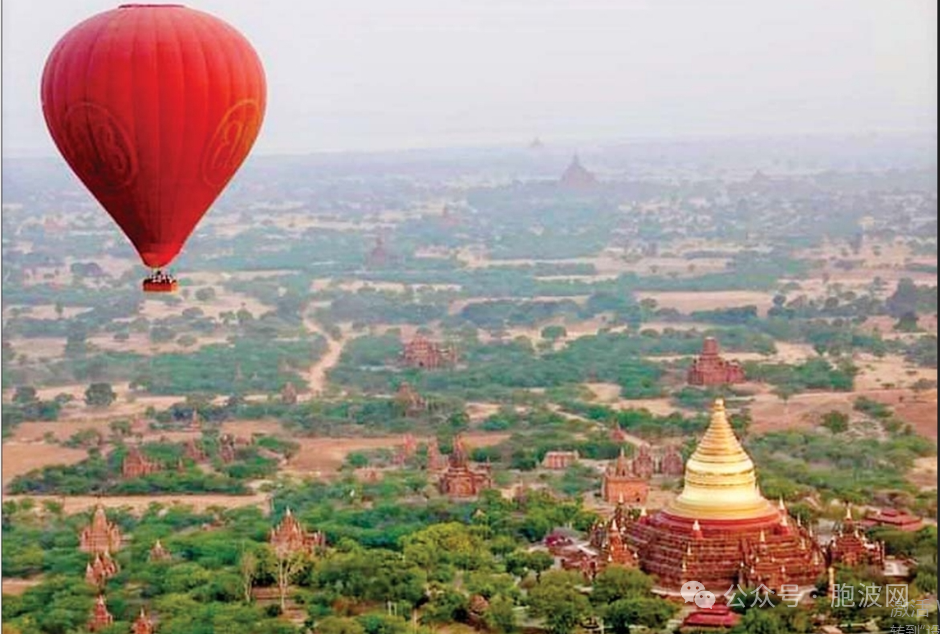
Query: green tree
column 759, row 621
column 836, row 422
column 338, row 624
column 25, row 395
column 539, row 561
column 559, row 602
column 500, row 616
column 446, row 606
column 617, row 582
column 206, row 294
column 554, row 333
column 650, row 612
column 907, row 322
column 99, row 395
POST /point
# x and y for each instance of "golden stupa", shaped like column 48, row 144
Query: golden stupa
column 720, row 530
column 720, row 480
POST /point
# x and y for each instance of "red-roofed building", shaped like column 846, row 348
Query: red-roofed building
column 711, row 369
column 892, row 518
column 717, row 617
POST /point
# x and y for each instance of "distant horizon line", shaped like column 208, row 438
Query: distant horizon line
column 548, row 143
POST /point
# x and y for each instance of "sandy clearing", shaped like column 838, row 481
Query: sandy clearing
column 140, row 343
column 322, row 456
column 224, row 301
column 688, row 302
column 661, row 326
column 656, row 406
column 20, row 458
column 246, row 428
column 803, row 411
column 458, row 305
column 206, row 278
column 892, row 371
column 479, row 412
column 45, row 311
column 884, row 325
column 608, row 264
column 15, row 586
column 39, row 347
column 139, row 504
column 924, row 473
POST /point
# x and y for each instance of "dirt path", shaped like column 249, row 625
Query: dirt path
column 334, row 348
column 14, row 586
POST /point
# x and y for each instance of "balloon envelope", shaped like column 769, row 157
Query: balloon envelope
column 154, row 107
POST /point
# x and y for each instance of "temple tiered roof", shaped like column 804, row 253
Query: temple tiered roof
column 720, row 479
column 710, row 369
column 100, row 617
column 101, row 536
column 461, row 479
column 720, row 530
column 576, row 176
column 289, row 537
column 143, row 624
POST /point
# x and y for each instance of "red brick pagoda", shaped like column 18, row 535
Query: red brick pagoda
column 289, row 394
column 136, row 464
column 158, row 552
column 101, row 536
column 436, row 460
column 100, row 569
column 461, row 480
column 559, row 460
column 406, row 451
column 576, row 176
column 100, row 617
column 850, row 547
column 379, row 255
column 143, row 624
column 289, row 537
column 194, row 452
column 671, row 464
column 427, row 355
column 710, row 369
column 409, row 401
column 720, row 530
column 623, row 484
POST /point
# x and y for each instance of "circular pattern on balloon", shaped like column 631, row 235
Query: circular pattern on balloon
column 231, row 142
column 98, row 148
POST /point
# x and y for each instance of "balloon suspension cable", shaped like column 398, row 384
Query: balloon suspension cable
column 160, row 282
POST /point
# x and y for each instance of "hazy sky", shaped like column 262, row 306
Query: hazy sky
column 378, row 74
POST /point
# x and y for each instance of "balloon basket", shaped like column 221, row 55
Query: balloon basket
column 160, row 286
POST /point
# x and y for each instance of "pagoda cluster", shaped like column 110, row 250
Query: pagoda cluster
column 722, row 532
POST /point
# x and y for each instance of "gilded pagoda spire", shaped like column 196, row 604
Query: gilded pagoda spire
column 720, row 480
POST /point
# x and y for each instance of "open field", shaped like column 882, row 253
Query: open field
column 15, row 587
column 20, row 458
column 805, row 410
column 687, row 302
column 322, row 456
column 924, row 473
column 139, row 504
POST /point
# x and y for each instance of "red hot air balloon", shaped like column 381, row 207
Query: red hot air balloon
column 154, row 107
